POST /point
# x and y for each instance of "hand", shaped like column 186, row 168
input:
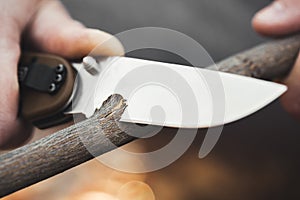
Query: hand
column 45, row 26
column 280, row 18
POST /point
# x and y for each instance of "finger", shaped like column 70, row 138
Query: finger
column 13, row 131
column 291, row 99
column 54, row 31
column 279, row 18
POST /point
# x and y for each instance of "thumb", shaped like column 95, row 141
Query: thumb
column 54, row 31
column 279, row 18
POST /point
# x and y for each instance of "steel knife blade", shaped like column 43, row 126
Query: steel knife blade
column 171, row 95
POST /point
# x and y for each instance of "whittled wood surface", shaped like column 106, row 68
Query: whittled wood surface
column 64, row 149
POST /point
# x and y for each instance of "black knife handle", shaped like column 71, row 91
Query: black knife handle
column 46, row 88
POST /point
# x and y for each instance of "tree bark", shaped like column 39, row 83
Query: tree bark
column 102, row 132
column 268, row 61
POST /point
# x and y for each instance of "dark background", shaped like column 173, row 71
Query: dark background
column 260, row 152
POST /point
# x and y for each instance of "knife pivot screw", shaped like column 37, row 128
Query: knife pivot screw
column 90, row 65
column 52, row 87
column 58, row 78
column 60, row 68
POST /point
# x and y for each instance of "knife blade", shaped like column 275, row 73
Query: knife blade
column 157, row 93
column 172, row 95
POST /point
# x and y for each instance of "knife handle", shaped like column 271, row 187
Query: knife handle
column 46, row 88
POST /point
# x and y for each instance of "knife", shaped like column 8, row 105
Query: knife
column 53, row 89
column 64, row 149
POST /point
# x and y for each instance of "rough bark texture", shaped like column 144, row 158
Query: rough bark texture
column 267, row 61
column 102, row 132
column 64, row 149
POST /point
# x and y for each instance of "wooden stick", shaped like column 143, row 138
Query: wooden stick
column 268, row 61
column 102, row 132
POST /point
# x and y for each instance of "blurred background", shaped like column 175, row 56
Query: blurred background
column 255, row 158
